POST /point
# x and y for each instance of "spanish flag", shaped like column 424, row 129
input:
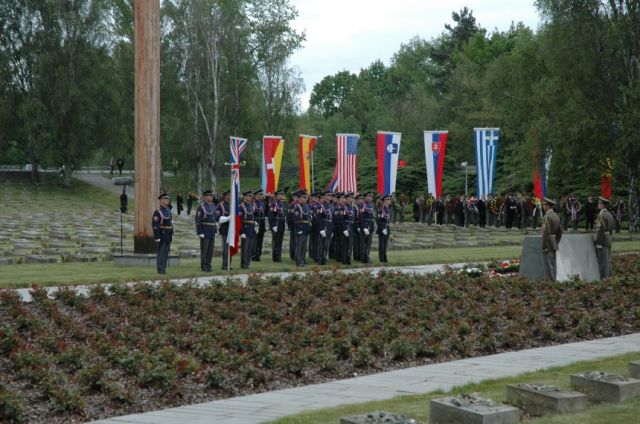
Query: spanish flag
column 306, row 144
column 272, row 148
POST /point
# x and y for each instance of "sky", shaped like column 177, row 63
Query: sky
column 351, row 34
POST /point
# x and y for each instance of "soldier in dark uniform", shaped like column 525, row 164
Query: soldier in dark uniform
column 290, row 226
column 224, row 215
column 591, row 210
column 338, row 226
column 384, row 230
column 511, row 208
column 604, row 230
column 356, row 227
column 302, row 225
column 314, row 236
column 247, row 229
column 277, row 218
column 350, row 213
column 366, row 222
column 163, row 232
column 206, row 226
column 324, row 215
column 261, row 216
column 551, row 235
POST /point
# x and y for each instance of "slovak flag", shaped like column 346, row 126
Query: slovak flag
column 388, row 152
column 435, row 146
column 236, row 145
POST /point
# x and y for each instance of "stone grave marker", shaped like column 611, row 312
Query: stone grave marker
column 604, row 387
column 380, row 417
column 634, row 369
column 542, row 399
column 471, row 409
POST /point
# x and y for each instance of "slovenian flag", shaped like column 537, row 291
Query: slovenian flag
column 272, row 149
column 388, row 152
column 435, row 147
column 486, row 140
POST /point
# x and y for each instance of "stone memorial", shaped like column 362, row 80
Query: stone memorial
column 380, row 417
column 634, row 369
column 542, row 399
column 576, row 256
column 471, row 409
column 604, row 387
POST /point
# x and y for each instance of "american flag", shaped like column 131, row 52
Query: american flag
column 237, row 145
column 345, row 176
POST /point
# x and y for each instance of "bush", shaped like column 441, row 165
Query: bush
column 12, row 410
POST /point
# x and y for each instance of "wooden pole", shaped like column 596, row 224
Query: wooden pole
column 147, row 121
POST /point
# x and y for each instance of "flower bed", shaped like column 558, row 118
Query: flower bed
column 73, row 358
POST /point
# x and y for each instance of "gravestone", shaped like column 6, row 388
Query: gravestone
column 471, row 409
column 634, row 369
column 542, row 399
column 381, row 417
column 576, row 256
column 604, row 387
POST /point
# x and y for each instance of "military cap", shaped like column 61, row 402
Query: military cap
column 258, row 191
column 226, row 192
column 347, row 194
column 603, row 200
column 338, row 195
column 360, row 196
column 316, row 194
column 278, row 192
column 248, row 193
column 549, row 201
column 368, row 193
column 163, row 196
column 302, row 192
column 208, row 193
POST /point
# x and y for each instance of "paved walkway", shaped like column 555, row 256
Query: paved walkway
column 99, row 180
column 271, row 405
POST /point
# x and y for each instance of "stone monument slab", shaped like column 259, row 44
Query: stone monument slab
column 604, row 387
column 471, row 409
column 542, row 399
column 634, row 369
column 381, row 417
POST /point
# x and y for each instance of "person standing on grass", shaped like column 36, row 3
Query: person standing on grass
column 112, row 165
column 366, row 221
column 248, row 229
column 551, row 235
column 604, row 231
column 261, row 216
column 120, row 164
column 163, row 231
column 302, row 227
column 384, row 228
column 180, row 202
column 206, row 227
column 277, row 218
column 224, row 213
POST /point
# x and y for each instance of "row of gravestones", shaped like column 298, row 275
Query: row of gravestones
column 532, row 399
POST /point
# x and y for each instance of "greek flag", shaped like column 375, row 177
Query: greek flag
column 486, row 153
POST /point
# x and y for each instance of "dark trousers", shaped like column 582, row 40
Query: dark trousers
column 246, row 251
column 549, row 258
column 324, row 244
column 365, row 247
column 276, row 245
column 257, row 245
column 225, row 251
column 347, row 247
column 604, row 261
column 383, row 243
column 206, row 252
column 301, row 249
column 292, row 245
column 356, row 244
column 313, row 244
column 590, row 222
column 163, row 256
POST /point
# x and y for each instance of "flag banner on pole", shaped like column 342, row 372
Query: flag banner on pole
column 435, row 147
column 606, row 184
column 237, row 145
column 306, row 144
column 540, row 181
column 263, row 170
column 272, row 148
column 486, row 153
column 345, row 176
column 388, row 152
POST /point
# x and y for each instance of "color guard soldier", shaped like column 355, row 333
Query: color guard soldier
column 314, row 236
column 347, row 231
column 302, row 225
column 224, row 215
column 324, row 215
column 357, row 235
column 291, row 226
column 604, row 229
column 206, row 226
column 384, row 229
column 277, row 218
column 338, row 226
column 261, row 216
column 551, row 235
column 366, row 222
column 247, row 229
column 162, row 225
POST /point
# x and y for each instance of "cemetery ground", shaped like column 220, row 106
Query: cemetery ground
column 417, row 406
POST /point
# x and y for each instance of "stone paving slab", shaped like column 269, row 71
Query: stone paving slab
column 271, row 405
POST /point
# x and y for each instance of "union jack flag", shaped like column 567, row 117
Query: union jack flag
column 345, row 176
column 237, row 145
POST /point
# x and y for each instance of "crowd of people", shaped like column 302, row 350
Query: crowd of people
column 322, row 226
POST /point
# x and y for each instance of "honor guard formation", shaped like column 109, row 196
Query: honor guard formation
column 322, row 226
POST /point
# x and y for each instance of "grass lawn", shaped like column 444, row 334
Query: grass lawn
column 26, row 275
column 417, row 406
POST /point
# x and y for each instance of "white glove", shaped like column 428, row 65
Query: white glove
column 224, row 219
column 243, row 236
column 274, row 229
column 366, row 231
column 201, row 235
column 257, row 230
column 299, row 232
column 384, row 231
column 323, row 233
column 157, row 240
column 346, row 233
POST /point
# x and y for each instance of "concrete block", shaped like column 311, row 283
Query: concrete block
column 466, row 409
column 605, row 387
column 134, row 259
column 576, row 256
column 634, row 369
column 381, row 417
column 540, row 399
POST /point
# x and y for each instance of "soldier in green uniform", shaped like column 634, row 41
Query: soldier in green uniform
column 551, row 235
column 604, row 229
